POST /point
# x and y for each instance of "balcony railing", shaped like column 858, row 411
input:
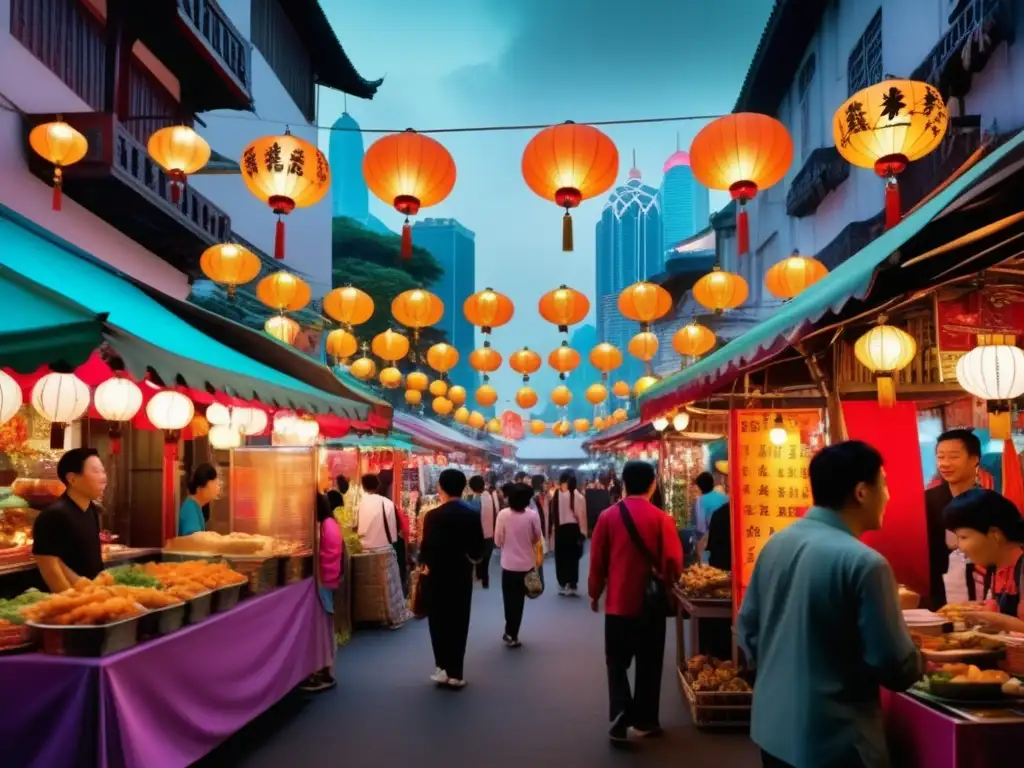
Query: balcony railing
column 824, row 171
column 209, row 21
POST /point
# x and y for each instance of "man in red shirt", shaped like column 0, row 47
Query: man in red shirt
column 618, row 565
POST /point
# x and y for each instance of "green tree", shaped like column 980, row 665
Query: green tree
column 350, row 240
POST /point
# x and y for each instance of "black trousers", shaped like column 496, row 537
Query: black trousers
column 513, row 594
column 640, row 639
column 484, row 566
column 403, row 563
column 450, row 603
column 767, row 761
column 567, row 555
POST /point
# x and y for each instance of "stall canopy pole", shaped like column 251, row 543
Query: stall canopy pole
column 836, row 421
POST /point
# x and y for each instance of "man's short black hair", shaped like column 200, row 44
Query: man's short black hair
column 519, row 496
column 476, row 484
column 838, row 469
column 520, row 477
column 371, row 483
column 965, row 436
column 637, row 476
column 705, row 482
column 452, row 482
column 73, row 462
column 981, row 510
column 342, row 482
column 506, row 489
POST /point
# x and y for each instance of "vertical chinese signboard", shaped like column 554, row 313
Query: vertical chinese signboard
column 769, row 483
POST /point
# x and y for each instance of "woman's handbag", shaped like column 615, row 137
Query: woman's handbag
column 534, row 584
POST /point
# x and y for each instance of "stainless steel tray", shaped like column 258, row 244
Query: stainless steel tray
column 226, row 598
column 89, row 641
column 198, row 608
column 161, row 621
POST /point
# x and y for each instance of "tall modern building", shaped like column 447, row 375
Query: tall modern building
column 454, row 247
column 349, row 194
column 684, row 201
column 630, row 247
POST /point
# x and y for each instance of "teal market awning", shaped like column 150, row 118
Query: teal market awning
column 851, row 280
column 393, row 442
column 69, row 304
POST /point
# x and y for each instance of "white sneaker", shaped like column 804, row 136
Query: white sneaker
column 563, row 591
column 440, row 677
column 455, row 682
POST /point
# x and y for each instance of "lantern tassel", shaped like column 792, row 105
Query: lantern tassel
column 742, row 231
column 886, row 391
column 999, row 426
column 56, row 436
column 175, row 192
column 406, row 239
column 567, row 232
column 279, row 240
column 58, row 182
column 893, row 207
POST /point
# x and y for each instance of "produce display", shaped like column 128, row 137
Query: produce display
column 193, row 577
column 706, row 583
column 232, row 544
column 712, row 675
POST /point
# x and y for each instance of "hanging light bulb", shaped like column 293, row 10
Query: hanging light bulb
column 660, row 423
column 778, row 435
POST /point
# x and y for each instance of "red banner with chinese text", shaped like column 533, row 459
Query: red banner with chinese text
column 769, row 483
column 958, row 321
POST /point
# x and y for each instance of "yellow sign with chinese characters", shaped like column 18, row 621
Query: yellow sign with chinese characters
column 769, row 455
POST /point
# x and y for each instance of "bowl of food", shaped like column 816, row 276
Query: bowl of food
column 966, row 682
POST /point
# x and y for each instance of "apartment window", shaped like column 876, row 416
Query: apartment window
column 276, row 38
column 864, row 67
column 804, row 81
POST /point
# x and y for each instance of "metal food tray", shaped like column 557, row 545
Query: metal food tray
column 295, row 568
column 89, row 640
column 226, row 598
column 262, row 572
column 198, row 607
column 171, row 556
column 161, row 621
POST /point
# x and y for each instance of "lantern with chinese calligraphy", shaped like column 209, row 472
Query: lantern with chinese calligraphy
column 524, row 361
column 563, row 306
column 994, row 372
column 60, row 145
column 526, row 397
column 417, row 380
column 793, row 275
column 390, row 378
column 230, row 264
column 643, row 384
column 486, row 395
column 581, row 425
column 537, row 427
column 286, row 173
column 180, row 151
column 644, row 303
column 476, row 420
column 348, row 306
column 719, row 290
column 693, row 340
column 413, row 396
column 564, row 359
column 283, row 291
column 442, row 357
column 488, row 309
column 885, row 127
column 438, row 388
column 457, row 394
column 884, row 350
column 644, row 346
column 743, row 152
column 341, row 345
column 596, row 394
column 390, row 346
column 606, row 358
column 409, row 171
column 442, row 406
column 561, row 396
column 568, row 164
column 462, row 415
column 621, row 388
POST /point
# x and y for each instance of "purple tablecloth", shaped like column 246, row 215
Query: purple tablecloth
column 167, row 702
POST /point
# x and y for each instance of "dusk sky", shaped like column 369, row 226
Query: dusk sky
column 500, row 62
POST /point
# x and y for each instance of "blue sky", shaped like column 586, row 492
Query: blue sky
column 499, row 62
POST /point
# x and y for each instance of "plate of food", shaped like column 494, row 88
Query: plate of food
column 959, row 645
column 966, row 682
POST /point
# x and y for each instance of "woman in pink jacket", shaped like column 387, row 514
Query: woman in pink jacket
column 328, row 579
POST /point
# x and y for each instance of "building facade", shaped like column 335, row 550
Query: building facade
column 454, row 247
column 684, row 201
column 350, row 195
column 244, row 67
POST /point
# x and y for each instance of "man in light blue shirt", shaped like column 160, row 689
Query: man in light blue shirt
column 822, row 625
column 708, row 502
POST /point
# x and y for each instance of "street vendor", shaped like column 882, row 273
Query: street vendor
column 66, row 534
column 990, row 531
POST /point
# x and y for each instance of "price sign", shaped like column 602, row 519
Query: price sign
column 769, row 482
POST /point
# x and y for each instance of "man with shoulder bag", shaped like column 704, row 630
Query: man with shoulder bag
column 636, row 556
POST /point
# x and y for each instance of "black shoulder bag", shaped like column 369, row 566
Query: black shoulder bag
column 657, row 603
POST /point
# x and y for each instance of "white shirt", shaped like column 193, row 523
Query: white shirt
column 488, row 512
column 572, row 511
column 373, row 509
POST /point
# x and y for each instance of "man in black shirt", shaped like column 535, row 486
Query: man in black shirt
column 66, row 535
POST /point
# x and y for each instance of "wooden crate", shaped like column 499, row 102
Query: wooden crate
column 716, row 709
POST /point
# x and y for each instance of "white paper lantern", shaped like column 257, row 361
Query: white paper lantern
column 660, row 423
column 118, row 399
column 60, row 398
column 306, row 431
column 680, row 421
column 170, row 411
column 994, row 371
column 10, row 398
column 284, row 422
column 249, row 421
column 218, row 414
column 224, row 437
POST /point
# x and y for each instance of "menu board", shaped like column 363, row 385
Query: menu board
column 770, row 486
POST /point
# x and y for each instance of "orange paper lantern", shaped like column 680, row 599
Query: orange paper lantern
column 417, row 380
column 341, row 344
column 561, row 396
column 643, row 384
column 442, row 357
column 180, row 151
column 461, row 415
column 693, row 340
column 457, row 394
column 524, row 361
column 743, row 152
column 476, row 420
column 564, row 359
column 283, row 291
column 606, row 358
column 488, row 309
column 620, row 414
column 409, row 171
column 230, row 264
column 719, row 290
column 568, row 164
column 439, row 388
column 285, row 172
column 644, row 303
column 526, row 397
column 363, row 369
column 561, row 428
column 644, row 346
column 390, row 378
column 537, row 427
column 793, row 275
column 621, row 388
column 60, row 145
column 581, row 425
column 442, row 406
column 486, row 359
column 413, row 396
column 563, row 306
column 282, row 328
column 494, row 426
column 348, row 306
column 486, row 395
column 390, row 346
column 597, row 394
column 417, row 308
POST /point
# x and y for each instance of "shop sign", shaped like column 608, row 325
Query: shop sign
column 770, row 485
column 958, row 321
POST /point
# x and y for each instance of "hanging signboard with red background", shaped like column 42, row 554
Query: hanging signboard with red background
column 770, row 486
column 959, row 320
column 512, row 426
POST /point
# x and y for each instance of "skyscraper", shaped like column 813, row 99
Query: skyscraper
column 349, row 194
column 630, row 247
column 454, row 247
column 685, row 204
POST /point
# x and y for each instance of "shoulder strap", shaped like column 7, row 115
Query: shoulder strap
column 384, row 517
column 634, row 534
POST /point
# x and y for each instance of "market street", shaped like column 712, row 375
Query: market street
column 544, row 704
